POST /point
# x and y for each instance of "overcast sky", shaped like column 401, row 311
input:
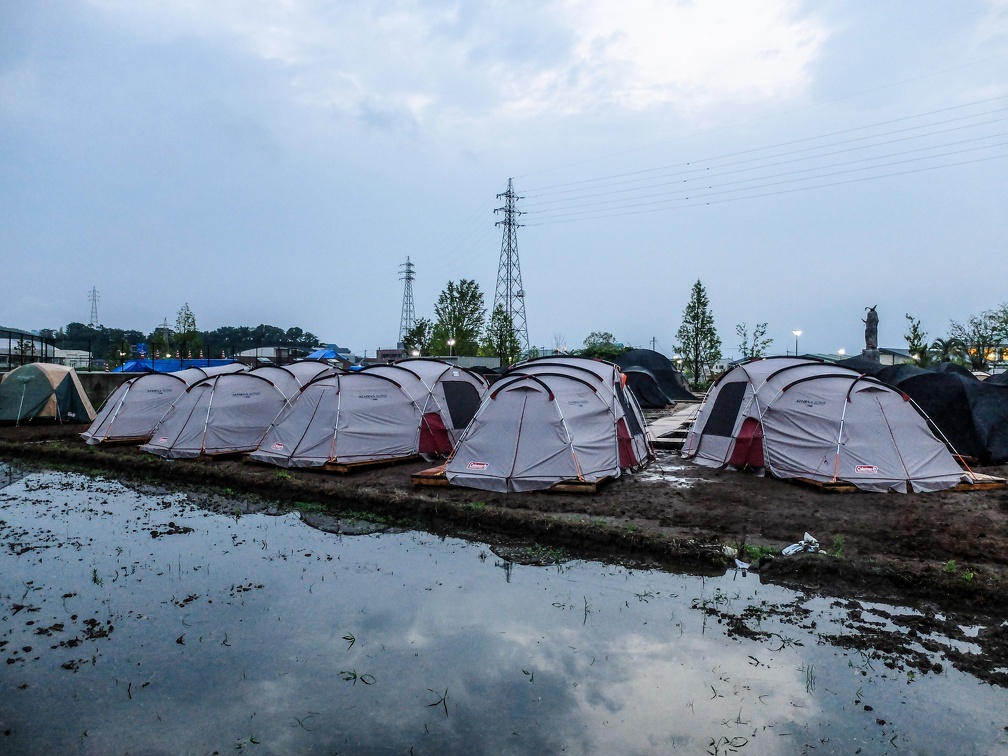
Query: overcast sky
column 277, row 162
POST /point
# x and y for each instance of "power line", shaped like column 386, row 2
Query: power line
column 814, row 173
column 668, row 186
column 692, row 165
column 770, row 194
column 768, row 117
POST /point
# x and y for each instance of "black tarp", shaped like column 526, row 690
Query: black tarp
column 998, row 379
column 893, row 374
column 653, row 378
column 489, row 374
column 952, row 367
column 862, row 365
column 971, row 414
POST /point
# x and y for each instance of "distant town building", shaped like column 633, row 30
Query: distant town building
column 75, row 358
column 19, row 347
column 270, row 355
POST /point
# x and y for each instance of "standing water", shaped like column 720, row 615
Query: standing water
column 132, row 621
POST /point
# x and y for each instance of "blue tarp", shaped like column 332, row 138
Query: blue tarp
column 325, row 354
column 167, row 366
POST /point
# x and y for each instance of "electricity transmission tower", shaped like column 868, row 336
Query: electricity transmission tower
column 510, row 294
column 93, row 296
column 408, row 317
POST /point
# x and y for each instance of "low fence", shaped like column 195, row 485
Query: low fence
column 98, row 386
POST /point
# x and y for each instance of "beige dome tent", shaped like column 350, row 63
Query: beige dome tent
column 801, row 418
column 192, row 374
column 631, row 426
column 290, row 379
column 134, row 409
column 348, row 419
column 222, row 414
column 44, row 392
column 536, row 431
column 448, row 397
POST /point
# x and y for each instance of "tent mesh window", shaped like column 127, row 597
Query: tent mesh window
column 721, row 421
column 463, row 400
column 631, row 417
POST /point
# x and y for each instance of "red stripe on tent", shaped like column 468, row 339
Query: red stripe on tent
column 624, row 445
column 434, row 437
column 748, row 450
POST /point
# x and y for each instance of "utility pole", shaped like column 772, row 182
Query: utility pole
column 510, row 293
column 93, row 296
column 408, row 318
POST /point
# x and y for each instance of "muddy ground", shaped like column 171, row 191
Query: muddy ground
column 945, row 554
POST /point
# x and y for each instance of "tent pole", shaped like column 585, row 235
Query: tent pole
column 944, row 438
column 20, row 406
column 570, row 441
column 206, row 423
column 843, row 417
column 335, row 432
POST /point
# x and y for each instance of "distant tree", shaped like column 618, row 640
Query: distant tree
column 158, row 344
column 187, row 338
column 602, row 345
column 99, row 341
column 501, row 338
column 460, row 313
column 297, row 337
column 947, row 350
column 917, row 342
column 699, row 344
column 599, row 338
column 757, row 344
column 979, row 335
column 25, row 349
column 419, row 337
column 1000, row 321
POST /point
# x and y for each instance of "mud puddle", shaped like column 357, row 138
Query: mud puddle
column 132, row 620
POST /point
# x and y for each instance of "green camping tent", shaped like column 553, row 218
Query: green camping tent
column 45, row 392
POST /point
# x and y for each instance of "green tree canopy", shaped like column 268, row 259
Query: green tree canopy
column 187, row 338
column 602, row 345
column 917, row 342
column 755, row 345
column 947, row 350
column 699, row 344
column 978, row 335
column 501, row 338
column 419, row 337
column 460, row 312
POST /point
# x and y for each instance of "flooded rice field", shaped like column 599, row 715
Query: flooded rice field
column 142, row 621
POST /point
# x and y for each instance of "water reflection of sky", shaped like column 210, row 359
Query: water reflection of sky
column 237, row 635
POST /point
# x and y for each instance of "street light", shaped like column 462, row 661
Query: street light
column 841, row 351
column 451, row 343
column 415, row 352
column 796, row 335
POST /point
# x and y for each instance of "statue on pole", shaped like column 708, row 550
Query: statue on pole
column 871, row 351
